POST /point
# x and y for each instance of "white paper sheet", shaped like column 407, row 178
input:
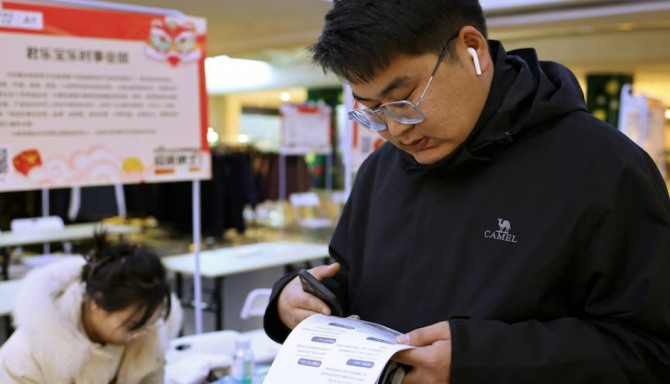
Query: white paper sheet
column 329, row 349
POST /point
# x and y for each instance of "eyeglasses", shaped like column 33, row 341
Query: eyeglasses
column 402, row 111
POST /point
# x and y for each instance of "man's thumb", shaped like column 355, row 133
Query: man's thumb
column 325, row 271
column 426, row 335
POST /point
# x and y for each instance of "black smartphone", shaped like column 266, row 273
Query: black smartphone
column 311, row 285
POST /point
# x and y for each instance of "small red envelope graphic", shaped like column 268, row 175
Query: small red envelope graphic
column 27, row 160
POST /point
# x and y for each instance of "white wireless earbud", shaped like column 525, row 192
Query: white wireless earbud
column 475, row 60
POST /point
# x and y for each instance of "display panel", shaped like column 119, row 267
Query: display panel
column 96, row 97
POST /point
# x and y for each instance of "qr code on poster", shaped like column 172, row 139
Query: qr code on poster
column 4, row 161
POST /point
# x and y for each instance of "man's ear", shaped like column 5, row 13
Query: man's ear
column 477, row 48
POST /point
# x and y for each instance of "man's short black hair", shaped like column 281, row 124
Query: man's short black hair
column 362, row 37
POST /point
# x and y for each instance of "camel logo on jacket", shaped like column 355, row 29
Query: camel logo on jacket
column 503, row 232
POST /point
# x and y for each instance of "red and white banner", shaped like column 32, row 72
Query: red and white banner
column 95, row 97
column 364, row 143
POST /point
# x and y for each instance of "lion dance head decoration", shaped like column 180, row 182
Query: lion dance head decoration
column 174, row 41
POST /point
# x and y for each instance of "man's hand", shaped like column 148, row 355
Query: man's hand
column 431, row 360
column 295, row 305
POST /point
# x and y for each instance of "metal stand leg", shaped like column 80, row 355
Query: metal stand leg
column 4, row 260
column 217, row 296
column 9, row 329
column 179, row 282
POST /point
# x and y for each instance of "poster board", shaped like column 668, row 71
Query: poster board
column 362, row 141
column 305, row 129
column 642, row 119
column 97, row 96
column 357, row 142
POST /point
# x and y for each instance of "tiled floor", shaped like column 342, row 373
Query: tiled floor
column 235, row 287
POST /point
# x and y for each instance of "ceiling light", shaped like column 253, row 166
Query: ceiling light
column 224, row 72
column 625, row 27
column 212, row 137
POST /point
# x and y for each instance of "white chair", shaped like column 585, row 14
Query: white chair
column 254, row 306
column 338, row 198
column 255, row 303
column 36, row 224
column 27, row 226
column 309, row 215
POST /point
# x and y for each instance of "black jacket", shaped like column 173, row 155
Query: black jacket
column 544, row 240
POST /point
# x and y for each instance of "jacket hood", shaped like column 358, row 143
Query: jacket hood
column 525, row 94
column 45, row 312
column 43, row 292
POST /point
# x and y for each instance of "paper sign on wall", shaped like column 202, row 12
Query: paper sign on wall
column 642, row 119
column 93, row 97
column 305, row 129
column 364, row 143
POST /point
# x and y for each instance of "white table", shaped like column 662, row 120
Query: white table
column 189, row 358
column 68, row 233
column 8, row 291
column 218, row 263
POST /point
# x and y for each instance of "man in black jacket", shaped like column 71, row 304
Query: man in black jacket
column 512, row 236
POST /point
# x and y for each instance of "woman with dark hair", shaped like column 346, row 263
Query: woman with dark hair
column 106, row 319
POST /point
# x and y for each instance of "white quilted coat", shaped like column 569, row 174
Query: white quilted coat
column 49, row 345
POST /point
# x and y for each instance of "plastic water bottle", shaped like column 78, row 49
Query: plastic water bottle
column 243, row 362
